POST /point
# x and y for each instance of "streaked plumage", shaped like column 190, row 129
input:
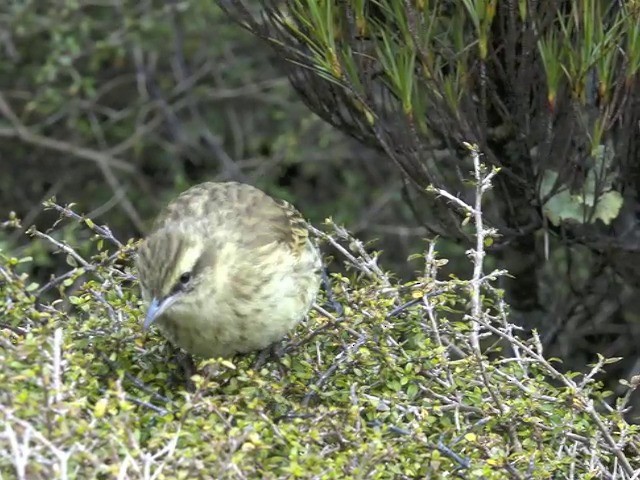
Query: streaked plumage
column 227, row 269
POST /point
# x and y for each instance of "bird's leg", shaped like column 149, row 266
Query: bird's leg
column 275, row 351
column 186, row 368
column 331, row 299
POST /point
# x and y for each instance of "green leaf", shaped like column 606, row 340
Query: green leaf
column 75, row 300
column 608, row 207
column 564, row 205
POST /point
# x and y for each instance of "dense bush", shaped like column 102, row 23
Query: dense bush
column 424, row 379
column 118, row 104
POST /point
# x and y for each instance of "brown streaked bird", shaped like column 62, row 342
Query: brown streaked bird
column 227, row 269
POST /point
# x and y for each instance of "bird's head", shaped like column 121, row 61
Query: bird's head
column 172, row 266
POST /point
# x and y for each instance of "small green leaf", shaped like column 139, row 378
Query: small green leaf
column 75, row 300
column 608, row 207
column 72, row 261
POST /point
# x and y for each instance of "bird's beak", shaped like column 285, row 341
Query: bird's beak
column 156, row 308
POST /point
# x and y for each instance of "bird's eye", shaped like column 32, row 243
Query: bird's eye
column 185, row 278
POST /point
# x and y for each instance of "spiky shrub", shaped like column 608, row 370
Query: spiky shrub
column 386, row 380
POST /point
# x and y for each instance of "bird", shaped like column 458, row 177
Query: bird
column 227, row 269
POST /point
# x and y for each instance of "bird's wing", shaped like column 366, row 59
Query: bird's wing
column 266, row 220
column 293, row 230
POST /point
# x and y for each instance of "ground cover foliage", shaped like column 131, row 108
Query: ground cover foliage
column 419, row 379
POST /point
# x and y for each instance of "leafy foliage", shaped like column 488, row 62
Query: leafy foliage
column 595, row 201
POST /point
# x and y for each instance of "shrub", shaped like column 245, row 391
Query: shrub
column 425, row 379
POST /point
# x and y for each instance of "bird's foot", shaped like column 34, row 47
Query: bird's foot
column 188, row 369
column 275, row 351
column 331, row 299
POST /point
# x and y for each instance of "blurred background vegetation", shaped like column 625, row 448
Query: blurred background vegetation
column 350, row 110
column 118, row 106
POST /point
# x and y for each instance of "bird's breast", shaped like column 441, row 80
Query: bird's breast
column 252, row 306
